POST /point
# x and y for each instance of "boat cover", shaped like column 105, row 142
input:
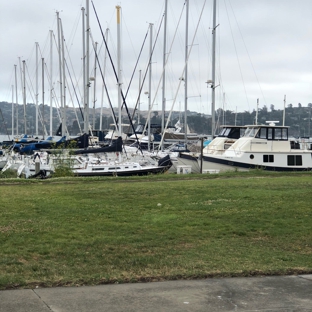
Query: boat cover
column 115, row 146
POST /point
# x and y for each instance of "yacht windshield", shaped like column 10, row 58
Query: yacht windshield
column 224, row 132
column 221, row 132
column 251, row 132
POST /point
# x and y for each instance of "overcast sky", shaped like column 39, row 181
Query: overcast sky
column 264, row 50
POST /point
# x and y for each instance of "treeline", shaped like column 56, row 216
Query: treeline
column 297, row 118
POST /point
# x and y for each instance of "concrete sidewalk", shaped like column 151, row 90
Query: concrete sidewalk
column 281, row 293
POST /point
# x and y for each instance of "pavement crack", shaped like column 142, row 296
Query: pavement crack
column 228, row 296
column 34, row 291
column 306, row 277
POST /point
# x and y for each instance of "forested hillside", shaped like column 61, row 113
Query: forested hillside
column 297, row 118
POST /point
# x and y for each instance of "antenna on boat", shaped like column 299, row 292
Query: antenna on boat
column 284, row 110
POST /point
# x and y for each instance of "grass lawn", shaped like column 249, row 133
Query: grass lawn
column 84, row 231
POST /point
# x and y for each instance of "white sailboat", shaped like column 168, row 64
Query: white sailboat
column 112, row 160
column 113, row 165
column 3, row 158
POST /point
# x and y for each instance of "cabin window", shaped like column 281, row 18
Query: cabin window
column 272, row 133
column 113, row 168
column 284, row 134
column 262, row 134
column 268, row 158
column 294, row 160
column 278, row 134
column 250, row 132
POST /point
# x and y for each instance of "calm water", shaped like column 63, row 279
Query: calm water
column 5, row 138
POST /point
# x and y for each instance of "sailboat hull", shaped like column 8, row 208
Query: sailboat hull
column 121, row 173
column 124, row 169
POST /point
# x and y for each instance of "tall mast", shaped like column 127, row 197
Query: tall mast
column 37, row 92
column 140, row 74
column 12, row 110
column 16, row 99
column 51, row 82
column 21, row 76
column 94, row 85
column 64, row 132
column 24, row 95
column 150, row 88
column 86, row 117
column 104, row 69
column 223, row 115
column 119, row 69
column 60, row 67
column 42, row 97
column 213, row 83
column 257, row 111
column 163, row 110
column 85, row 107
column 185, row 75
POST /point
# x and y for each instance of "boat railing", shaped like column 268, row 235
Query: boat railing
column 305, row 143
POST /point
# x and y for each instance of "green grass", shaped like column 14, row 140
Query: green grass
column 83, row 231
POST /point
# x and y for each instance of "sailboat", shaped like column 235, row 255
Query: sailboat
column 112, row 161
column 3, row 159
